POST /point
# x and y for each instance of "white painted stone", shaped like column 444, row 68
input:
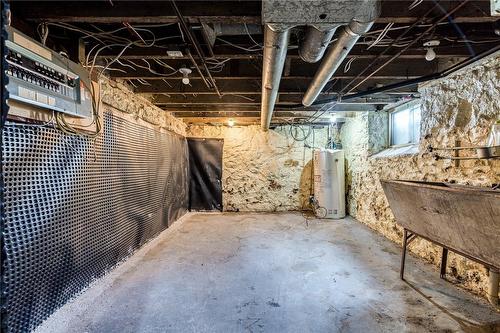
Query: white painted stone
column 462, row 107
column 138, row 109
column 263, row 171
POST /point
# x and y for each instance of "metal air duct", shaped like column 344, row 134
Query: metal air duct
column 335, row 56
column 315, row 42
column 321, row 18
column 275, row 48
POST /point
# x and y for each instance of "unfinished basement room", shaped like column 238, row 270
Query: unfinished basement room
column 255, row 166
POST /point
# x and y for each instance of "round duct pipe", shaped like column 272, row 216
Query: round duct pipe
column 315, row 42
column 335, row 56
column 275, row 49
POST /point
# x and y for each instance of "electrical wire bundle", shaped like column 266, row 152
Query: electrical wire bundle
column 254, row 48
column 106, row 40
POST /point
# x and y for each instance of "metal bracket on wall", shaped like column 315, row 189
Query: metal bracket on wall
column 480, row 153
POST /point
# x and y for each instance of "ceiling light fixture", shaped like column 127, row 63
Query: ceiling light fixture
column 333, row 118
column 230, row 122
column 431, row 54
column 185, row 74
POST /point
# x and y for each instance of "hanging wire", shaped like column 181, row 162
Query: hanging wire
column 381, row 36
column 414, row 4
column 347, row 66
column 248, row 49
column 251, row 38
column 104, row 36
column 150, row 69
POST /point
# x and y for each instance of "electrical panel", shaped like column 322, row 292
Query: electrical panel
column 45, row 79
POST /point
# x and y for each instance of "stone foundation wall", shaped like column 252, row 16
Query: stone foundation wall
column 263, row 171
column 462, row 107
column 118, row 98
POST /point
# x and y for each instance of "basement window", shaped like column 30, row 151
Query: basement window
column 405, row 124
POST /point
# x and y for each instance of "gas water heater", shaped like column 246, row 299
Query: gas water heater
column 329, row 183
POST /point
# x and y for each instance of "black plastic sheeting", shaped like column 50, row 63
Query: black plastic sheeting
column 75, row 207
column 205, row 164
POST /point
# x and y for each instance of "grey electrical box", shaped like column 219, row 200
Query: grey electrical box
column 42, row 78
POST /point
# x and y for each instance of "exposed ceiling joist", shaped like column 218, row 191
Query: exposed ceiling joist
column 239, row 78
column 240, row 87
column 214, row 109
column 247, row 114
column 223, row 52
column 214, row 112
column 214, row 11
column 252, row 99
column 159, row 97
column 251, row 119
column 222, row 120
column 144, row 75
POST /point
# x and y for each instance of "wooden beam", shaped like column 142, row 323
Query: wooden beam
column 214, row 109
column 252, row 99
column 146, row 75
column 239, row 114
column 398, row 11
column 240, row 121
column 255, row 93
column 400, row 68
column 256, row 113
column 222, row 19
column 253, row 119
column 138, row 11
column 223, row 52
column 245, row 87
column 214, row 11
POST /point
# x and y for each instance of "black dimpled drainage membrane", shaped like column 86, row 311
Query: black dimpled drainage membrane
column 74, row 207
column 4, row 108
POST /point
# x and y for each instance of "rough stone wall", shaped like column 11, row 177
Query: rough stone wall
column 462, row 107
column 263, row 171
column 118, row 97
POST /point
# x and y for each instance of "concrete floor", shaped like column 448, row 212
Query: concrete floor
column 272, row 273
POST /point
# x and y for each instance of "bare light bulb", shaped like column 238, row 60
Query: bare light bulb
column 429, row 46
column 430, row 55
column 333, row 118
column 185, row 74
column 230, row 122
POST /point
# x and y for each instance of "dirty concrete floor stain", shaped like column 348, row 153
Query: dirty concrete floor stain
column 274, row 273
